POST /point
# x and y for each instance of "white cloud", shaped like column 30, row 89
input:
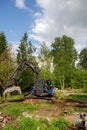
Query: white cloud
column 20, row 4
column 60, row 17
column 14, row 47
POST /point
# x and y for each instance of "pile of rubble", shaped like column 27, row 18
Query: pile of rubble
column 7, row 120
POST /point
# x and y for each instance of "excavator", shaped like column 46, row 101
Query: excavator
column 42, row 87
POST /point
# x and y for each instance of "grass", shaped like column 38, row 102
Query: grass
column 80, row 90
column 81, row 110
column 41, row 124
column 78, row 97
column 16, row 109
column 14, row 98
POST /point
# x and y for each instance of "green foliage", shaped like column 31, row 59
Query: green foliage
column 14, row 98
column 3, row 46
column 3, row 43
column 77, row 79
column 7, row 66
column 27, row 124
column 83, row 59
column 64, row 57
column 59, row 124
column 42, row 124
column 26, row 49
column 32, row 124
column 9, row 127
column 85, row 89
column 26, row 79
column 45, row 61
column 57, row 63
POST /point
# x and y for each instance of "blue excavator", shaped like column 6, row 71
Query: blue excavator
column 41, row 88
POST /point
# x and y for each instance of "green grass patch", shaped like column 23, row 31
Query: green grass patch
column 59, row 93
column 16, row 109
column 78, row 97
column 41, row 124
column 59, row 124
column 81, row 110
column 79, row 91
column 14, row 98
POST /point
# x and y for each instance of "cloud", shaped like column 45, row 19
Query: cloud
column 14, row 47
column 20, row 4
column 60, row 17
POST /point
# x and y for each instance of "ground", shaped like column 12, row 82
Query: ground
column 56, row 110
column 61, row 107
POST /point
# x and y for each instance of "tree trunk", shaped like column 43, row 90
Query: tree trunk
column 63, row 84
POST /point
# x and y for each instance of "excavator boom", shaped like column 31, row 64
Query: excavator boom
column 19, row 69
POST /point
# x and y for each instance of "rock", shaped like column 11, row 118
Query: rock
column 38, row 128
column 1, row 118
column 65, row 112
column 0, row 113
column 5, row 121
column 26, row 114
column 18, row 118
column 48, row 119
column 37, row 116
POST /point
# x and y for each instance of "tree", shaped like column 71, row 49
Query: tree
column 83, row 59
column 6, row 62
column 26, row 49
column 45, row 61
column 26, row 79
column 64, row 57
column 3, row 42
column 7, row 66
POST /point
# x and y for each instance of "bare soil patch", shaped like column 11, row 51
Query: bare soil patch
column 6, row 119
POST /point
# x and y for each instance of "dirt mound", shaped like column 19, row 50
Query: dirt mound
column 35, row 101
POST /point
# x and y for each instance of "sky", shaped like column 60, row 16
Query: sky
column 44, row 20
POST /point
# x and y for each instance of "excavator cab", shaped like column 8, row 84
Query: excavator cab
column 44, row 88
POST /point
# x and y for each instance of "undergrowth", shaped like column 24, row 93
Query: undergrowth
column 41, row 124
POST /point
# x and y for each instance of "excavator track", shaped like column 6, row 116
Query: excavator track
column 50, row 99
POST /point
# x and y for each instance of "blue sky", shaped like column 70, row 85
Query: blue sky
column 15, row 21
column 44, row 20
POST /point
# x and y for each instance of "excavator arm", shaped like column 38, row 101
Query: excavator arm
column 19, row 69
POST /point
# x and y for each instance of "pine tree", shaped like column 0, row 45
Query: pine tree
column 26, row 49
column 3, row 43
